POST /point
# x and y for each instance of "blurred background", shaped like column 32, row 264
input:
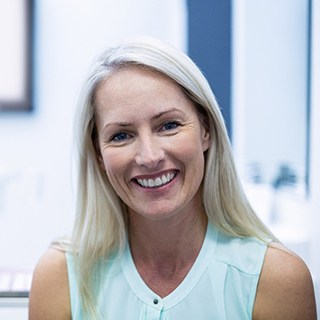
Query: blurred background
column 261, row 58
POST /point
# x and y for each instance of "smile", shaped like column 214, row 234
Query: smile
column 157, row 182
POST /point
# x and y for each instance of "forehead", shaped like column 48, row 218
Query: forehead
column 132, row 79
column 134, row 86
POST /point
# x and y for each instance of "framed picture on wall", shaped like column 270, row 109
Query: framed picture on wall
column 15, row 55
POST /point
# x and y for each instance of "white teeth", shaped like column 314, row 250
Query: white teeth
column 164, row 179
column 159, row 181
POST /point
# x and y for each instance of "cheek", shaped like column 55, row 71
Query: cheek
column 191, row 146
column 113, row 165
column 192, row 156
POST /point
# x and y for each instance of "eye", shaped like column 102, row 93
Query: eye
column 120, row 136
column 171, row 125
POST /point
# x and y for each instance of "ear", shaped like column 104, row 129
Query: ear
column 205, row 140
column 100, row 161
column 97, row 152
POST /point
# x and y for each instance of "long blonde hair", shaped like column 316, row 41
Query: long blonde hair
column 100, row 226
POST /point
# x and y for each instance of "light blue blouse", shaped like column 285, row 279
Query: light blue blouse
column 221, row 285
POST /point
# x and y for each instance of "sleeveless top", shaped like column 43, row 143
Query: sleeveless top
column 221, row 284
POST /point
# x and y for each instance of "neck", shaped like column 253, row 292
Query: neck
column 171, row 242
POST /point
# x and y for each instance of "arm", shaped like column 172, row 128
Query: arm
column 49, row 295
column 285, row 290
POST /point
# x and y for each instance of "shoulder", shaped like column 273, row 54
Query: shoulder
column 49, row 295
column 244, row 254
column 285, row 289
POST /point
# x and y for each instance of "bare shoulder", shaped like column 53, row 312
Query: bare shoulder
column 285, row 289
column 49, row 295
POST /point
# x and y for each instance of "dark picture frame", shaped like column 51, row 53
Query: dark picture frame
column 16, row 39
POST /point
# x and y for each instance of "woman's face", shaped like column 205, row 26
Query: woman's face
column 152, row 143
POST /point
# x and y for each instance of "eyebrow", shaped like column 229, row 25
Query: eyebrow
column 125, row 124
column 117, row 124
column 160, row 114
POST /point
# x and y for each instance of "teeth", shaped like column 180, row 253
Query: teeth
column 164, row 179
column 159, row 181
column 151, row 183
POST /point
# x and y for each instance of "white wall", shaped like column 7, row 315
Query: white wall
column 300, row 229
column 36, row 199
column 270, row 74
column 315, row 150
column 270, row 64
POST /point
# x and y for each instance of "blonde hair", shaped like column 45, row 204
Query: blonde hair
column 100, row 226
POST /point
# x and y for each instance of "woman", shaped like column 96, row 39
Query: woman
column 163, row 229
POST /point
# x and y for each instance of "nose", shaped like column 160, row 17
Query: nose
column 149, row 153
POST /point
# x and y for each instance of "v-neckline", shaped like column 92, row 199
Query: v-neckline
column 148, row 296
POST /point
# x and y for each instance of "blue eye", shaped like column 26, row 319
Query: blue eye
column 120, row 137
column 170, row 125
